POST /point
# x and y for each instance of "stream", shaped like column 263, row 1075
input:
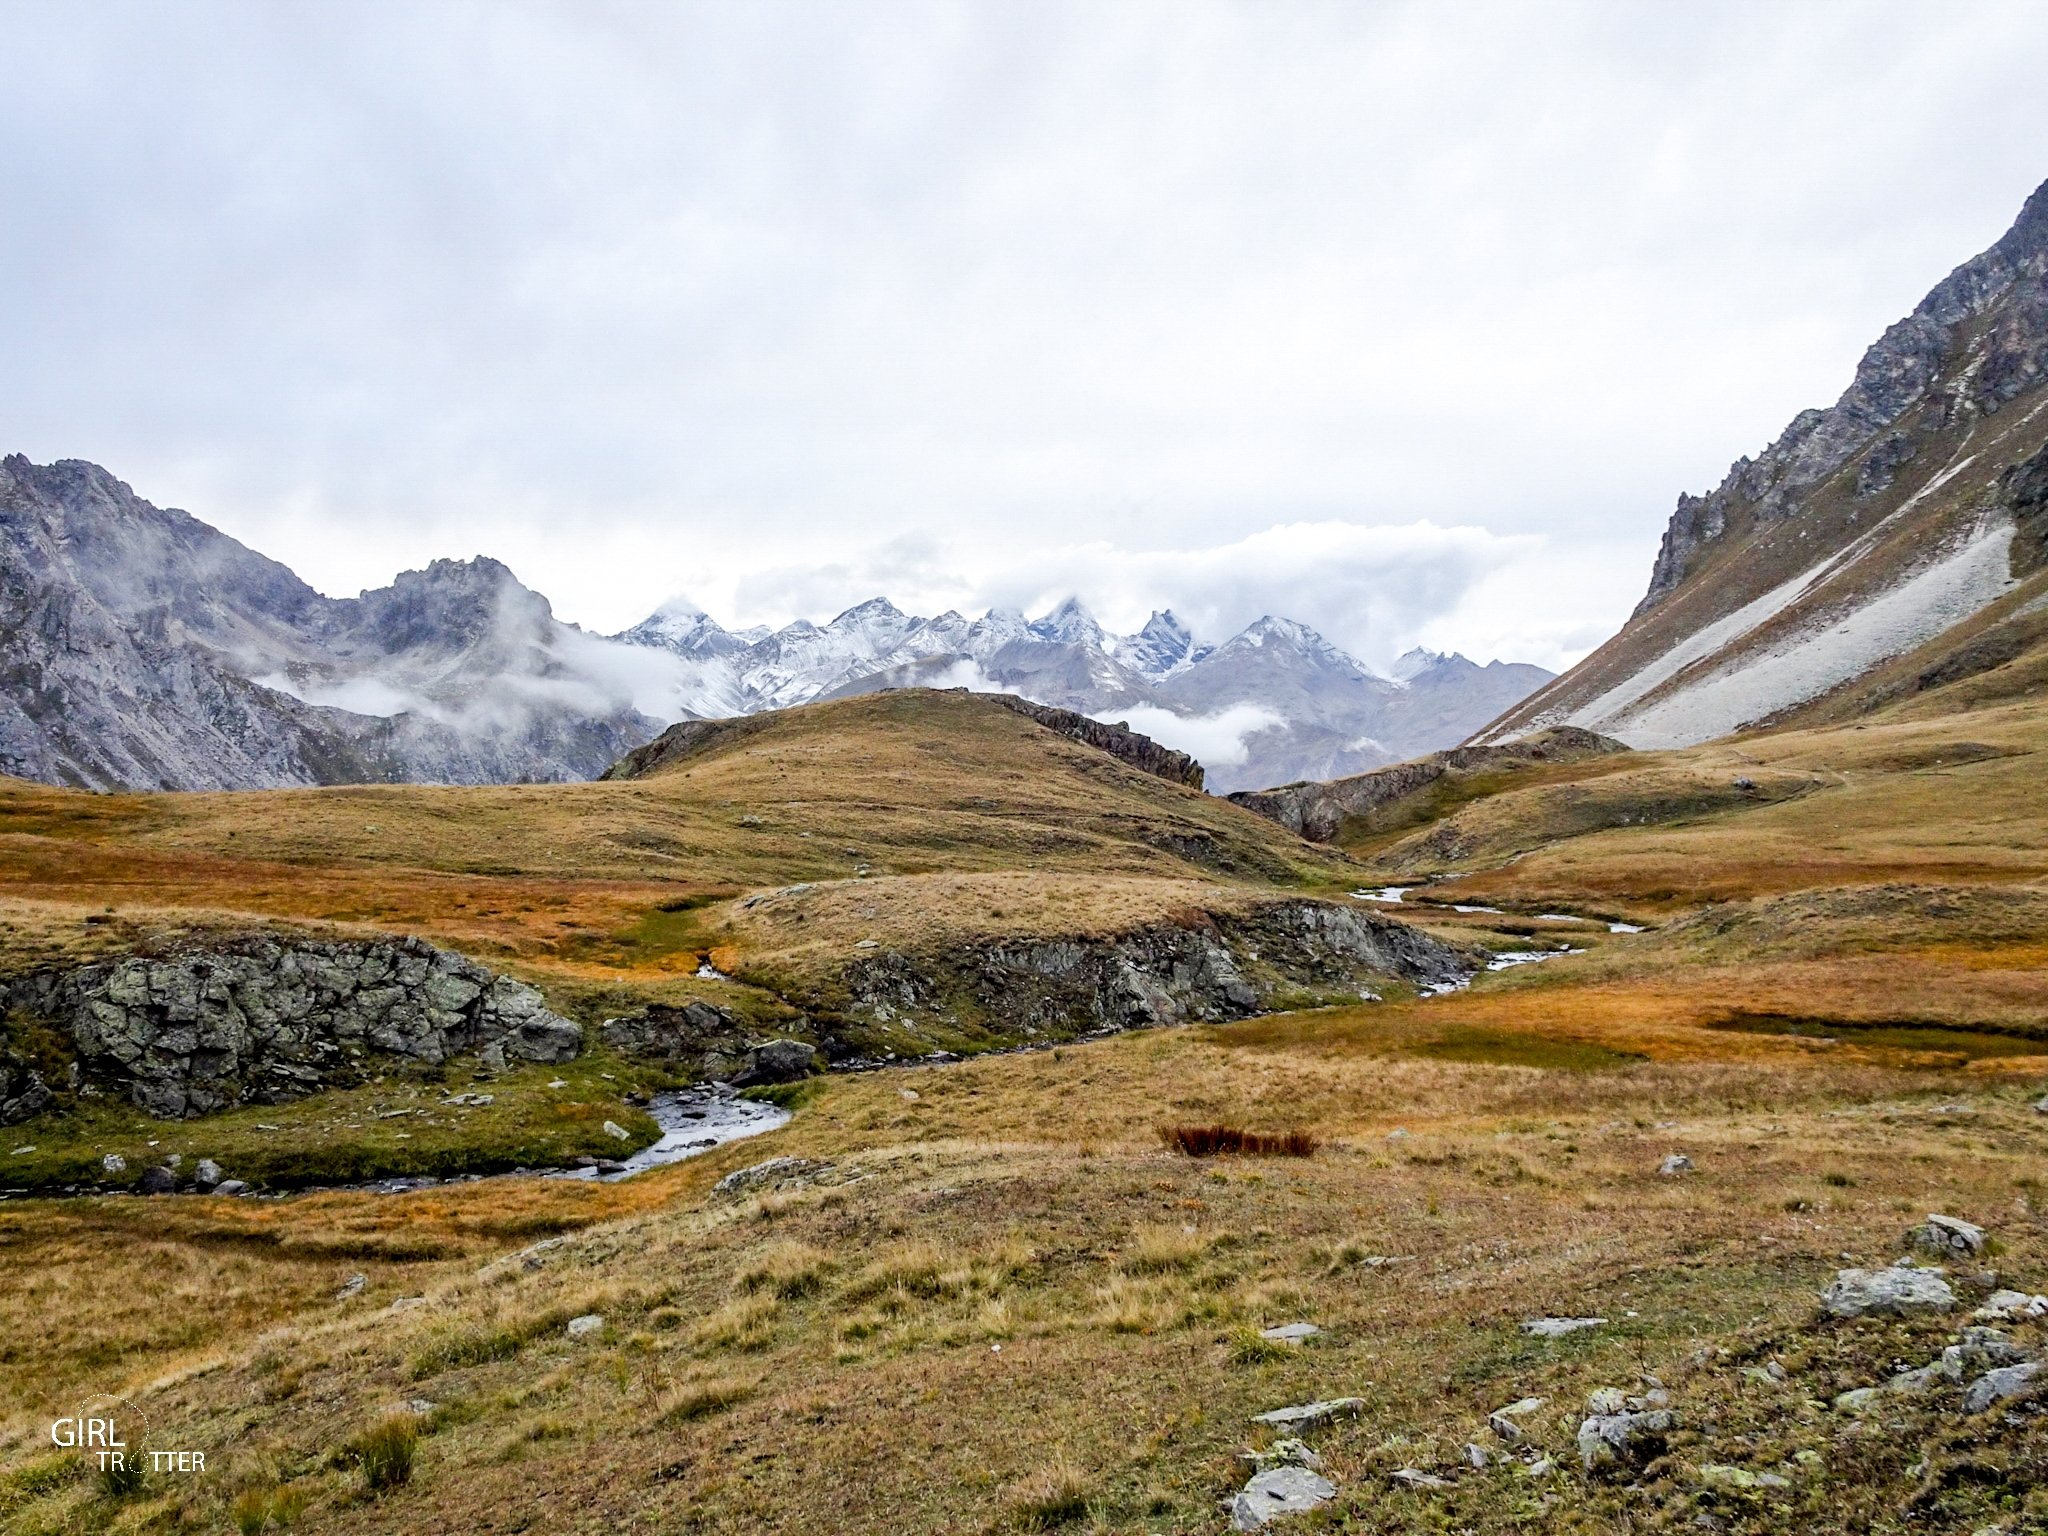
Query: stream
column 1505, row 959
column 692, row 1120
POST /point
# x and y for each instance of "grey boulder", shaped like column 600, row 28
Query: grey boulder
column 1278, row 1493
column 1896, row 1292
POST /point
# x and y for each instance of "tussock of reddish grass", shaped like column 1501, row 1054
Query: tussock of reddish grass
column 1229, row 1140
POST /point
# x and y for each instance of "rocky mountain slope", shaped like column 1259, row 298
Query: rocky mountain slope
column 141, row 648
column 1889, row 543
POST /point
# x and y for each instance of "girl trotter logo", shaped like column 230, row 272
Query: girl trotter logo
column 111, row 1433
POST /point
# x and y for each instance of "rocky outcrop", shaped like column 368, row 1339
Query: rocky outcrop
column 263, row 1018
column 1318, row 811
column 1119, row 741
column 1207, row 967
column 23, row 1093
column 710, row 1041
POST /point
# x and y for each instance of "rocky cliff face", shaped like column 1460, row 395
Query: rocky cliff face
column 1210, row 967
column 1860, row 548
column 265, row 1019
column 1318, row 811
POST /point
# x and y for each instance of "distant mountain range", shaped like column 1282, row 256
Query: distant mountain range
column 141, row 648
column 1273, row 703
column 1894, row 542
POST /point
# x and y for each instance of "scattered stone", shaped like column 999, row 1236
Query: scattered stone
column 616, row 1131
column 1558, row 1327
column 157, row 1181
column 23, row 1151
column 352, row 1286
column 2041, row 1105
column 406, row 1303
column 1542, row 1466
column 206, row 1173
column 1277, row 1494
column 1856, row 1400
column 1722, row 1476
column 583, row 1327
column 1290, row 1333
column 776, row 1173
column 1611, row 1441
column 1947, row 1237
column 479, row 1100
column 909, row 1095
column 1894, row 1292
column 422, row 1406
column 231, row 1187
column 2002, row 1306
column 1397, row 1134
column 1476, row 1456
column 1675, row 1165
column 114, row 1162
column 1606, row 1400
column 1410, row 1477
column 1999, row 1385
column 1503, row 1421
column 1312, row 1415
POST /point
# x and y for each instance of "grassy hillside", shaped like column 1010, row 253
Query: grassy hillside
column 991, row 1299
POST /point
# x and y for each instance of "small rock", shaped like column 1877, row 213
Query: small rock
column 1675, row 1165
column 2003, row 1305
column 406, row 1303
column 776, row 1173
column 114, row 1162
column 1397, row 1134
column 1947, row 1237
column 231, row 1187
column 1412, row 1478
column 157, row 1181
column 422, row 1406
column 1311, row 1415
column 1502, row 1421
column 616, row 1131
column 1476, row 1456
column 1717, row 1475
column 1542, row 1466
column 23, row 1151
column 1607, row 1400
column 1855, row 1400
column 2041, row 1105
column 584, row 1326
column 1278, row 1493
column 1611, row 1441
column 1894, row 1292
column 908, row 1095
column 1558, row 1327
column 1999, row 1385
column 352, row 1286
column 1290, row 1333
column 206, row 1174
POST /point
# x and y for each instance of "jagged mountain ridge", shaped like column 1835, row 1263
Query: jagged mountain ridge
column 1323, row 713
column 1884, row 545
column 141, row 648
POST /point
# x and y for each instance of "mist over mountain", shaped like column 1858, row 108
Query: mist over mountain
column 142, row 648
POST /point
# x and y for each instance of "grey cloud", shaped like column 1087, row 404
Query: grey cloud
column 648, row 298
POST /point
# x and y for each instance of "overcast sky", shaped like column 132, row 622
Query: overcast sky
column 1406, row 320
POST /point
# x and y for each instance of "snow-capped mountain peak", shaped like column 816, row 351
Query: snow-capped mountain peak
column 1411, row 663
column 1162, row 646
column 1070, row 624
